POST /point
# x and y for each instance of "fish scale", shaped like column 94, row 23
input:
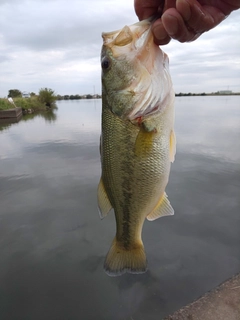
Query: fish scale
column 135, row 154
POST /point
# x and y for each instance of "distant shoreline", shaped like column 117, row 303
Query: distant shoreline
column 181, row 94
column 59, row 98
column 206, row 94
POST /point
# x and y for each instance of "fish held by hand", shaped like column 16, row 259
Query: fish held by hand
column 137, row 142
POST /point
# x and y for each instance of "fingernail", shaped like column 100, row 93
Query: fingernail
column 170, row 24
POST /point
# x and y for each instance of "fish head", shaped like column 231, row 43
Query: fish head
column 135, row 75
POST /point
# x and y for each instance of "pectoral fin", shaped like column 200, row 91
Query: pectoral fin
column 163, row 208
column 104, row 204
column 144, row 143
column 172, row 146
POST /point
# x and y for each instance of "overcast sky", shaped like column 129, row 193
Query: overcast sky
column 57, row 43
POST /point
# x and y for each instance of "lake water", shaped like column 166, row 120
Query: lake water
column 53, row 243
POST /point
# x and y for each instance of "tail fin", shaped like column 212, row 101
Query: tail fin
column 119, row 260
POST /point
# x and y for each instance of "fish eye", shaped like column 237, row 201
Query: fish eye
column 105, row 63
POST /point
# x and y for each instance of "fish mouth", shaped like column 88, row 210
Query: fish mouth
column 150, row 85
column 129, row 39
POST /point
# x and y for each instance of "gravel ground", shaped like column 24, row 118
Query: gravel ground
column 222, row 303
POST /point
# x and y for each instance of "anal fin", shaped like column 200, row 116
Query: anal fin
column 104, row 204
column 163, row 208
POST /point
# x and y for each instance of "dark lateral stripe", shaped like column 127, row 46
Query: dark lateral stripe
column 127, row 170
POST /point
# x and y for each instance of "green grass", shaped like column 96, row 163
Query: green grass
column 30, row 103
column 5, row 104
column 26, row 103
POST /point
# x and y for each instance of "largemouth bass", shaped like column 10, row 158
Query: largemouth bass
column 137, row 142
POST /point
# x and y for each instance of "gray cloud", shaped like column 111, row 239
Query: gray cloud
column 209, row 64
column 57, row 44
column 4, row 57
column 57, row 25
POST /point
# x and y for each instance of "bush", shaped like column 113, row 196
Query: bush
column 47, row 96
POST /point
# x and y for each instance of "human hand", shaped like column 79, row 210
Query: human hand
column 184, row 20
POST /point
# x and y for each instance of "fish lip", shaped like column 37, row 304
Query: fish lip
column 142, row 23
column 137, row 31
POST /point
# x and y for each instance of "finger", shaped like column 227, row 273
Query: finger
column 199, row 18
column 176, row 28
column 160, row 34
column 147, row 8
column 169, row 4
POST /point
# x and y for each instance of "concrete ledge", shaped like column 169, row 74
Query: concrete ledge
column 222, row 303
column 11, row 113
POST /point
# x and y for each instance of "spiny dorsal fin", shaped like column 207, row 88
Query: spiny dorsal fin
column 163, row 208
column 104, row 204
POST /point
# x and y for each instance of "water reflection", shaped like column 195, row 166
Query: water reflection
column 203, row 128
column 49, row 116
column 6, row 123
column 53, row 243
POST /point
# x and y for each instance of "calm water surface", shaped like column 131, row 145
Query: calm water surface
column 53, row 243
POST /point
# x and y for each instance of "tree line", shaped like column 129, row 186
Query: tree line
column 49, row 94
column 78, row 96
